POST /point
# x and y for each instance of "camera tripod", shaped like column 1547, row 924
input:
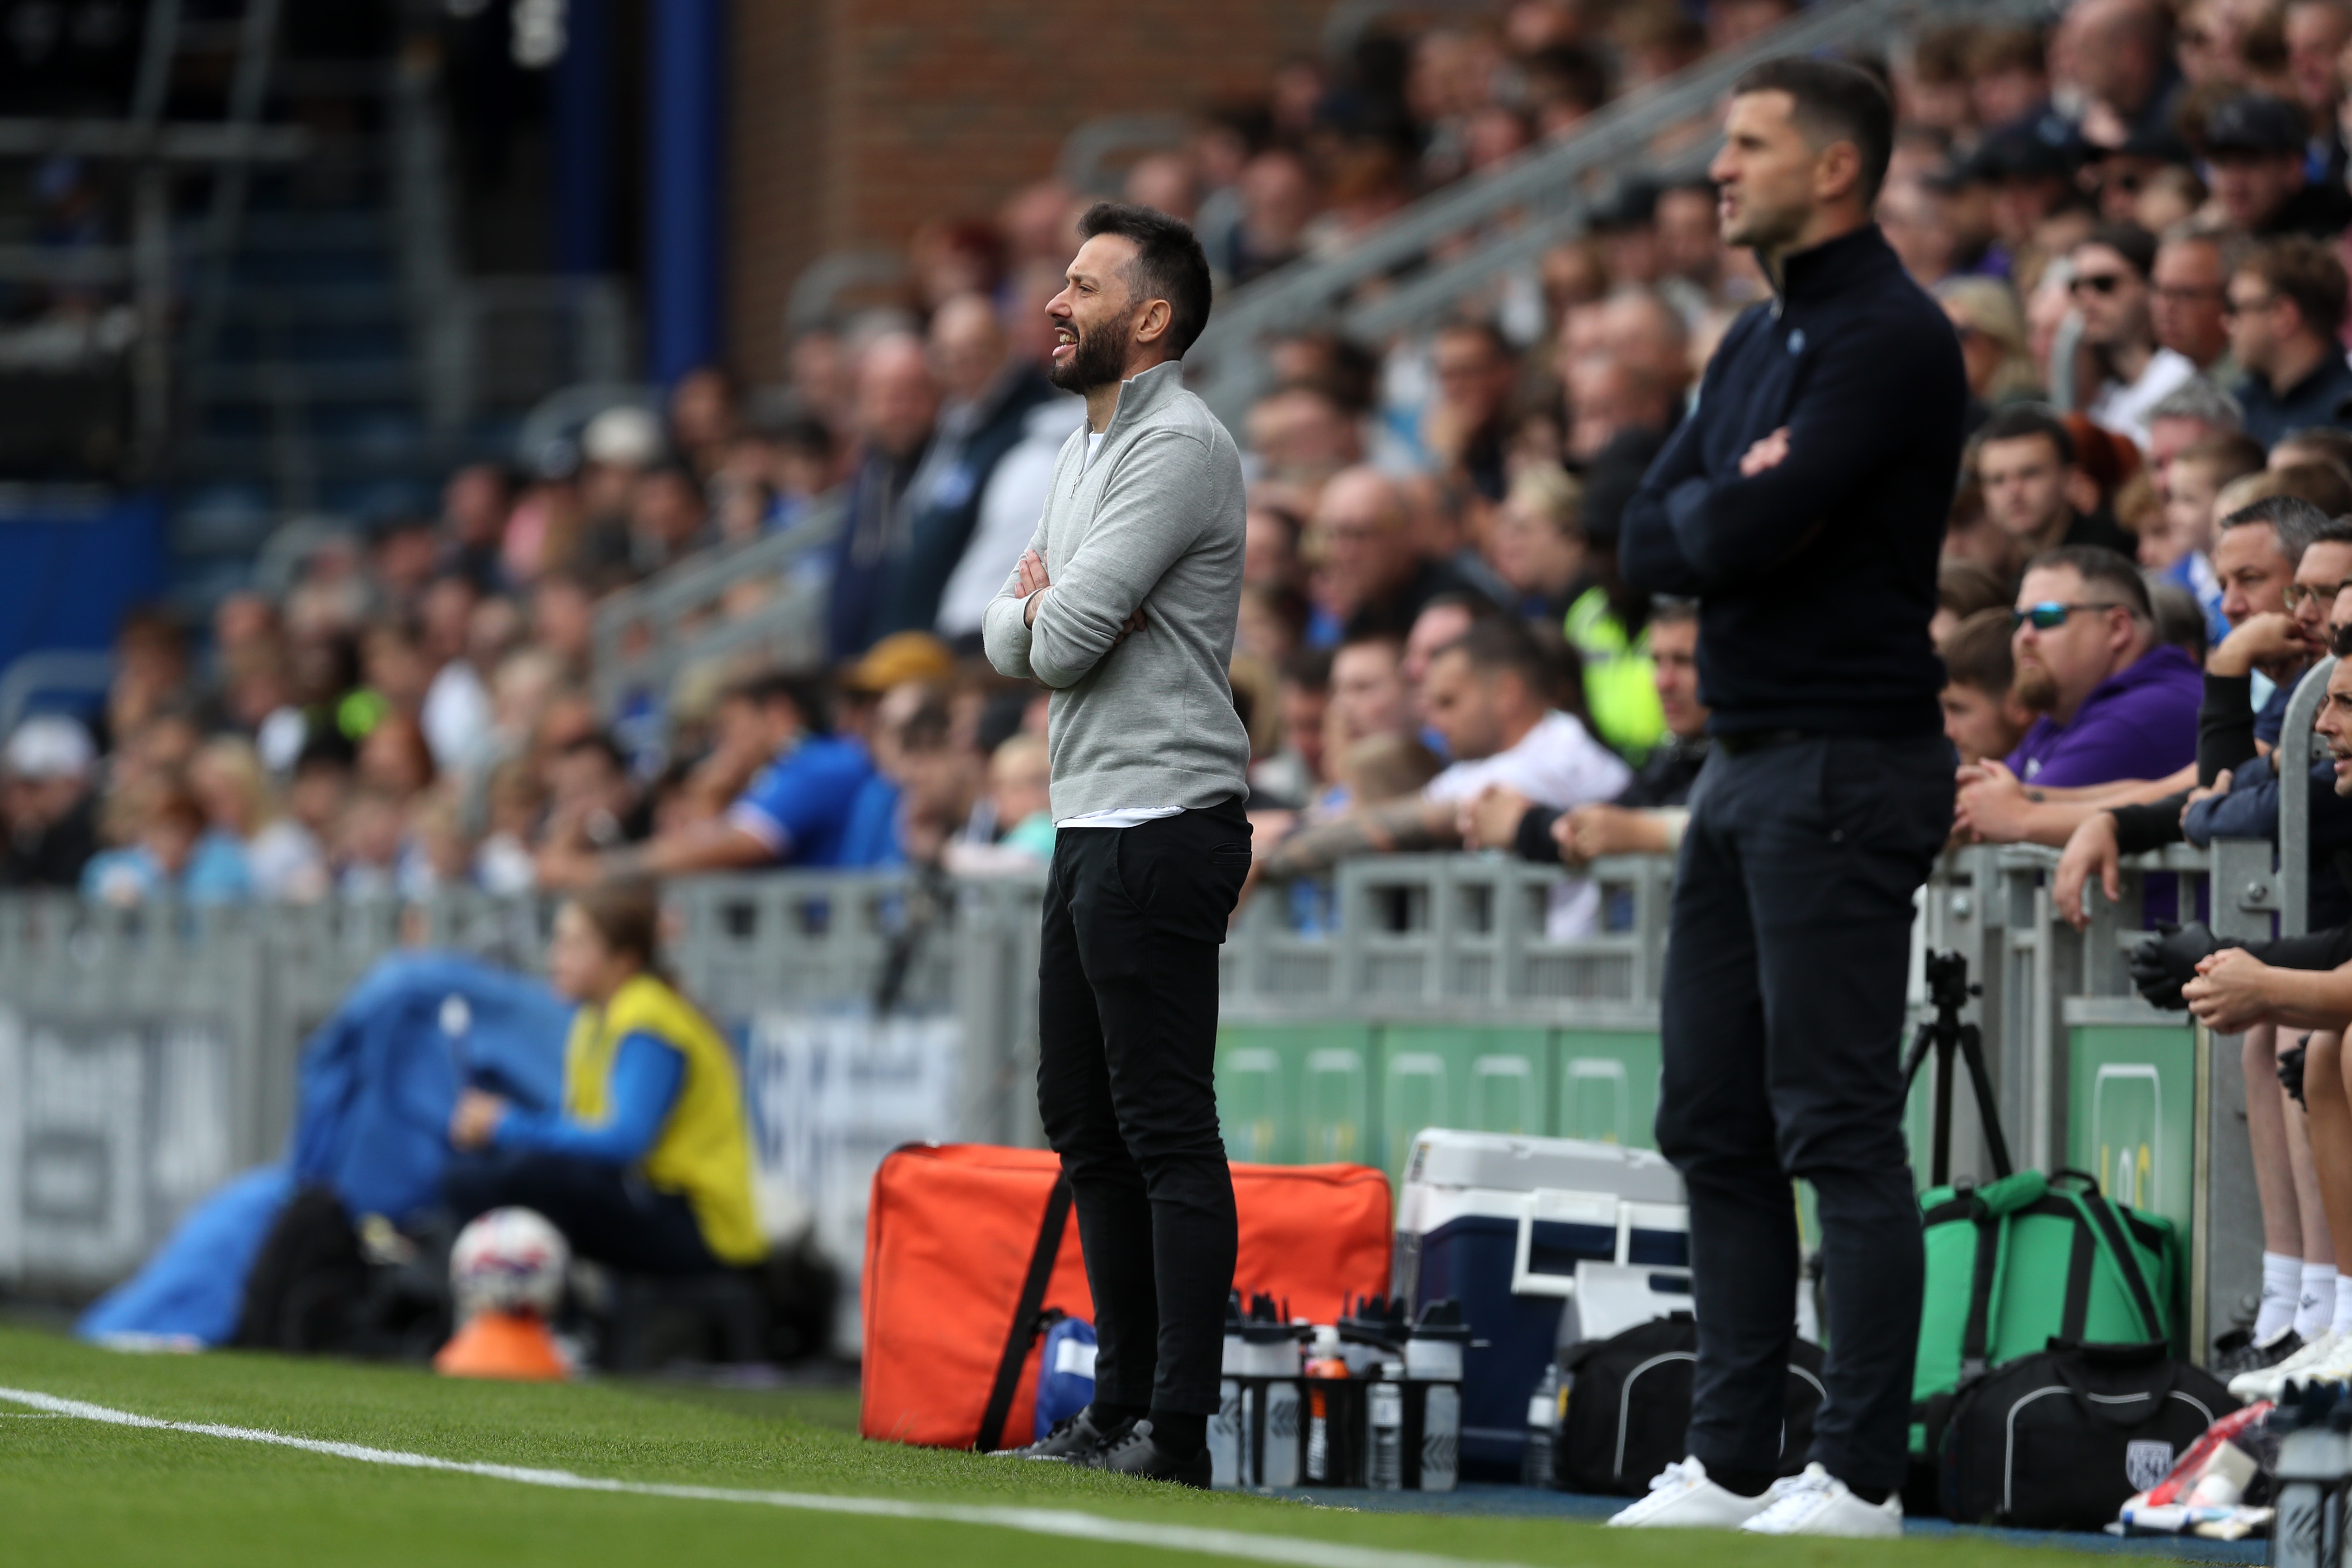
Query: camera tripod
column 1949, row 990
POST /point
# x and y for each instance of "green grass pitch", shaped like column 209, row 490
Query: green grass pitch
column 79, row 1492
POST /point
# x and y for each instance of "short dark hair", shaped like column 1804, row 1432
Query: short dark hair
column 1834, row 102
column 1307, row 669
column 806, row 693
column 2096, row 563
column 600, row 742
column 1498, row 643
column 1665, row 610
column 1169, row 264
column 2020, row 420
column 1967, row 589
column 2128, row 240
column 1977, row 653
column 2298, row 267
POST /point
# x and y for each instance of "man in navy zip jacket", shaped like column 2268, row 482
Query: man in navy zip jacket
column 1803, row 504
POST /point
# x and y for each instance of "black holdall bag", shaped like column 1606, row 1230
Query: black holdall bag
column 2060, row 1439
column 1629, row 1406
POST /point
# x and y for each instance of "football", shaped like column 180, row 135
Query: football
column 509, row 1260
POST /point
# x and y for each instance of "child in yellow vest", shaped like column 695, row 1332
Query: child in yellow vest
column 647, row 1166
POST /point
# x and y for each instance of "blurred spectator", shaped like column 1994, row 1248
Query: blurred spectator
column 705, row 416
column 1019, row 774
column 1647, row 816
column 1964, row 589
column 167, row 853
column 797, row 812
column 2255, row 148
column 2180, row 547
column 1983, row 716
column 2110, row 285
column 1277, row 198
column 1369, row 695
column 1464, row 430
column 2188, row 303
column 1301, row 434
column 2118, row 53
column 1487, row 696
column 2326, row 445
column 283, row 860
column 393, row 757
column 1372, row 575
column 1992, row 344
column 1442, row 622
column 594, row 803
column 668, row 517
column 46, row 806
column 1537, row 542
column 2033, row 489
column 2114, row 702
column 2187, row 415
column 2286, row 304
column 1009, row 504
column 1292, row 777
column 475, row 505
column 563, row 622
column 987, row 394
column 897, row 404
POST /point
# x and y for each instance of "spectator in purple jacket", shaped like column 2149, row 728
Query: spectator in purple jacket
column 2115, row 703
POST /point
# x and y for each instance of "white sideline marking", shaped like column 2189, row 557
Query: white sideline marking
column 1292, row 1551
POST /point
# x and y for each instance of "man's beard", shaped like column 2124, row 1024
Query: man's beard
column 1096, row 361
column 2035, row 688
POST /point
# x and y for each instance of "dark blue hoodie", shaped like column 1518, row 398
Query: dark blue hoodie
column 1817, row 577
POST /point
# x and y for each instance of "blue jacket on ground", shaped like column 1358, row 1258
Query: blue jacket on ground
column 1816, row 578
column 376, row 1085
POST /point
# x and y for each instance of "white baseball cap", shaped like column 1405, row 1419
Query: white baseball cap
column 49, row 746
column 626, row 437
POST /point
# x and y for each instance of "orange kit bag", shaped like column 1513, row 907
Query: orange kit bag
column 966, row 1245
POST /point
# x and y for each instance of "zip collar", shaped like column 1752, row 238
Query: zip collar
column 1821, row 271
column 1143, row 392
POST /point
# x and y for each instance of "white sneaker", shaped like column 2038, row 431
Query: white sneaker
column 2269, row 1382
column 1681, row 1498
column 1818, row 1504
column 2335, row 1368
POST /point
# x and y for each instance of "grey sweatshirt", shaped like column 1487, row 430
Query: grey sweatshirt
column 1154, row 522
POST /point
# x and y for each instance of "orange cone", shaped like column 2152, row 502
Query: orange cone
column 515, row 1346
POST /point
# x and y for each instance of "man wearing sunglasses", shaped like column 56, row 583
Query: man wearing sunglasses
column 2111, row 294
column 1803, row 502
column 2115, row 703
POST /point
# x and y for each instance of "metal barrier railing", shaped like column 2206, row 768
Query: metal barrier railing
column 146, row 1056
column 646, row 635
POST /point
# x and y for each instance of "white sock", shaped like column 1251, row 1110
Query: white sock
column 2316, row 1308
column 2281, row 1283
column 2342, row 1326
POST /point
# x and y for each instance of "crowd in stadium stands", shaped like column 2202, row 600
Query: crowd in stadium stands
column 2135, row 219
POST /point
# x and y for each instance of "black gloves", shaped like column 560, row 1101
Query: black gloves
column 2166, row 961
column 2290, row 1070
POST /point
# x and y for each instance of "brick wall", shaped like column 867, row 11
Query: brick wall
column 854, row 121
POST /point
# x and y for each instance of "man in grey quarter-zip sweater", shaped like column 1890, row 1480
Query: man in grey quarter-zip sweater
column 1124, row 603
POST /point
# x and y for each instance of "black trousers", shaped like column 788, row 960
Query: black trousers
column 605, row 1212
column 1127, row 1037
column 1783, row 1021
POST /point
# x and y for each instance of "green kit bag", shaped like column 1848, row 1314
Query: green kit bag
column 2021, row 1260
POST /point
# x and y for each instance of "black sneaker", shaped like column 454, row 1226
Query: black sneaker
column 2238, row 1351
column 1133, row 1453
column 1074, row 1439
